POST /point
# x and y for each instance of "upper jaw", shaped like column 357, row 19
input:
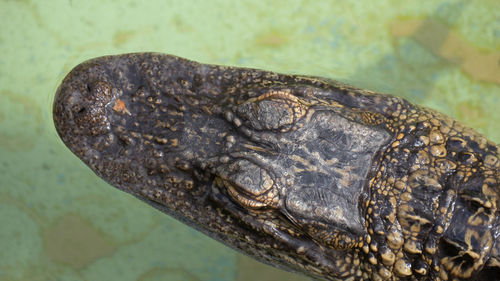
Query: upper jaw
column 88, row 119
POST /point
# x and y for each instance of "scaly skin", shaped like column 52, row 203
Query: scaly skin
column 302, row 173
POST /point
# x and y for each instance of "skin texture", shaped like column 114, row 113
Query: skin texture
column 303, row 173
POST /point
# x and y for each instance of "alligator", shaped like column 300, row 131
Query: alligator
column 303, row 173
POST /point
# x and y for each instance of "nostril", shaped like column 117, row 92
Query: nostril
column 97, row 91
column 78, row 109
column 82, row 110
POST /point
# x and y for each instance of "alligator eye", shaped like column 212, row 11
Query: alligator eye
column 275, row 110
column 248, row 184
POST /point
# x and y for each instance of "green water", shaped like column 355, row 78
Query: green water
column 58, row 221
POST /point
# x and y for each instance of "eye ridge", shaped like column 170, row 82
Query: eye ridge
column 275, row 110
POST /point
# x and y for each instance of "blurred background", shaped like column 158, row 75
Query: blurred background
column 58, row 221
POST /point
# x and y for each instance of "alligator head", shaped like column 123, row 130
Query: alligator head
column 302, row 173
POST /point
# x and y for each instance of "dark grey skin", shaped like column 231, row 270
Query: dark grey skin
column 302, row 173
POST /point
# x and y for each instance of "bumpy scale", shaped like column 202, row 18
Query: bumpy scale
column 302, row 173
